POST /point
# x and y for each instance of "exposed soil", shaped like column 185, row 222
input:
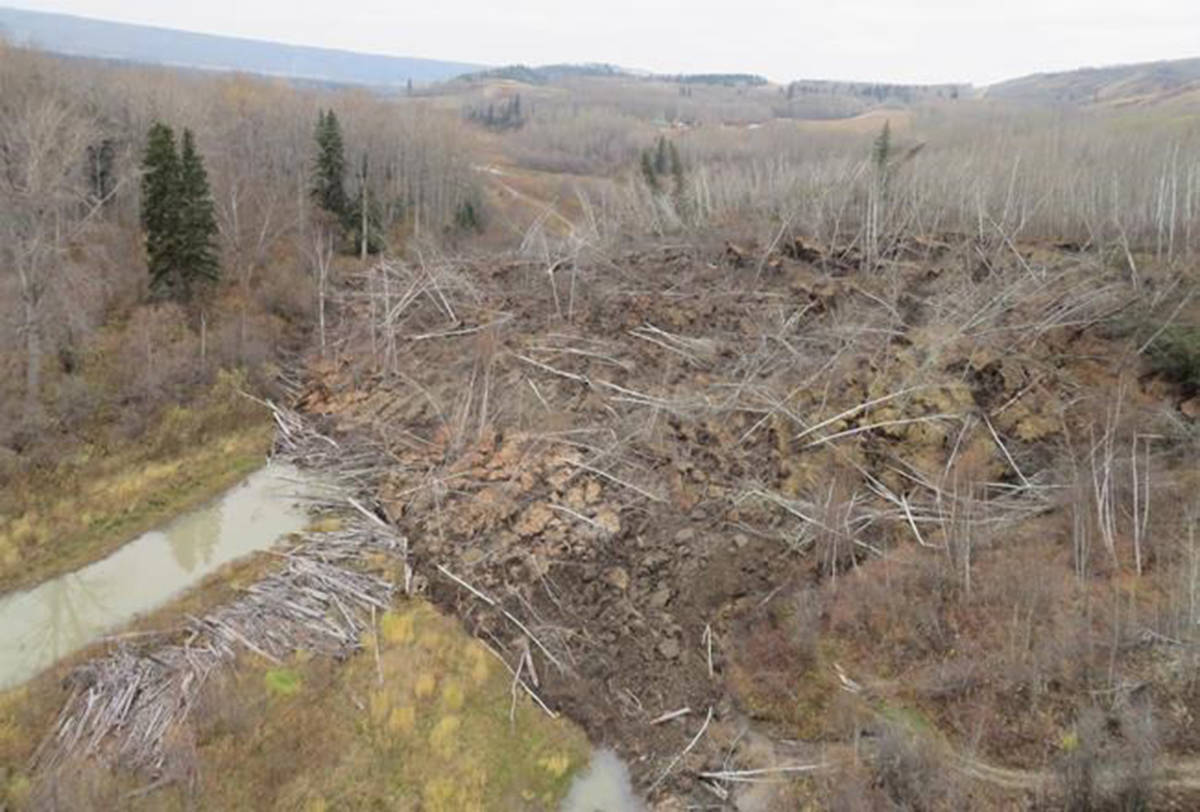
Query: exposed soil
column 685, row 471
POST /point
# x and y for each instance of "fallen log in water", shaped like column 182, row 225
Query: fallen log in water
column 124, row 705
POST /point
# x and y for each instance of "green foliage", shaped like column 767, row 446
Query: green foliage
column 100, row 171
column 329, row 172
column 516, row 73
column 661, row 161
column 16, row 788
column 197, row 223
column 177, row 215
column 160, row 203
column 468, row 216
column 282, row 681
column 676, row 170
column 722, row 79
column 648, row 172
column 507, row 116
column 882, row 149
column 1175, row 354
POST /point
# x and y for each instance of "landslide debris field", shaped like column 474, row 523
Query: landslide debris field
column 918, row 532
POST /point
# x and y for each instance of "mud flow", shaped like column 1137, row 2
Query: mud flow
column 703, row 497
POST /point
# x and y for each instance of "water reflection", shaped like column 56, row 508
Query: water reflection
column 193, row 537
column 604, row 787
column 66, row 603
column 44, row 624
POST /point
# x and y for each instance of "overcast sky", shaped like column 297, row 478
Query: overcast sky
column 978, row 41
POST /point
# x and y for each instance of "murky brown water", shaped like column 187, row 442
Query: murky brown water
column 603, row 787
column 60, row 616
column 54, row 619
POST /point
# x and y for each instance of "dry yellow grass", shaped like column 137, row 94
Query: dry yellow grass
column 431, row 725
column 436, row 733
column 62, row 519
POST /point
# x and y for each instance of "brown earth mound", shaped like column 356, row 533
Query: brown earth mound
column 788, row 495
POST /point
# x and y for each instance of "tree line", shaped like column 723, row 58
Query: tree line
column 128, row 192
column 178, row 214
column 507, row 115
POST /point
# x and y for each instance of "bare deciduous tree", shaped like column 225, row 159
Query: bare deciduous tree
column 44, row 136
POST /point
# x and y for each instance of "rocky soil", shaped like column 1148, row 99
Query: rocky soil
column 665, row 481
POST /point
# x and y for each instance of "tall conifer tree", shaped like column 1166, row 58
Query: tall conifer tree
column 662, row 162
column 160, row 205
column 100, row 171
column 177, row 215
column 197, row 222
column 676, row 168
column 329, row 190
column 648, row 173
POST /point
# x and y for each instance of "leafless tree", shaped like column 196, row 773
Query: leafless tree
column 44, row 135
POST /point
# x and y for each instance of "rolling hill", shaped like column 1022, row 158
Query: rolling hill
column 1118, row 85
column 83, row 37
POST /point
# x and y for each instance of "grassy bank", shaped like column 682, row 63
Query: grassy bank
column 423, row 718
column 428, row 720
column 28, row 711
column 58, row 519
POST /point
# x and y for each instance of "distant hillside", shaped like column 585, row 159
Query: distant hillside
column 724, row 79
column 544, row 74
column 879, row 92
column 79, row 36
column 1147, row 82
column 548, row 74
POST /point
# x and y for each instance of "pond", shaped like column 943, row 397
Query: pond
column 41, row 625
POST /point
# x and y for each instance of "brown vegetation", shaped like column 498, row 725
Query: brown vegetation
column 942, row 485
column 100, row 377
column 864, row 459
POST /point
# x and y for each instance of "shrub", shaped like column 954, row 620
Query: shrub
column 1175, row 355
column 282, row 681
column 1107, row 761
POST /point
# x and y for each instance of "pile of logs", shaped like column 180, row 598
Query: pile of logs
column 124, row 706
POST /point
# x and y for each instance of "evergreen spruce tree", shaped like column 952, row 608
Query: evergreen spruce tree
column 177, row 215
column 197, row 226
column 161, row 205
column 100, row 159
column 468, row 216
column 648, row 171
column 677, row 176
column 329, row 190
column 661, row 161
column 883, row 147
column 676, row 166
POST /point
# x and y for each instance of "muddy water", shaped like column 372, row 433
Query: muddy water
column 60, row 616
column 42, row 625
column 603, row 787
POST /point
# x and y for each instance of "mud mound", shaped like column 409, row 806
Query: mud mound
column 621, row 472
